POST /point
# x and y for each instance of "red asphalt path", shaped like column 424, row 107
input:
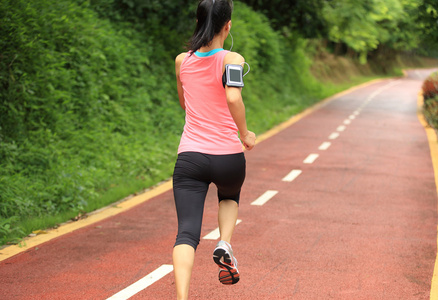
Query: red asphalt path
column 357, row 223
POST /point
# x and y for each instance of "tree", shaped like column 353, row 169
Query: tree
column 303, row 16
column 362, row 25
column 427, row 16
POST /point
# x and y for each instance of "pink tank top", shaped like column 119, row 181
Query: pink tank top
column 209, row 126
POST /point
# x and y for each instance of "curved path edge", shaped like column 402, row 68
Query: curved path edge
column 433, row 146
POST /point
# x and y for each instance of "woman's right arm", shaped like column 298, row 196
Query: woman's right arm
column 178, row 61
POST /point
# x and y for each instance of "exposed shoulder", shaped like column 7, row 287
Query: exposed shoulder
column 233, row 58
column 179, row 59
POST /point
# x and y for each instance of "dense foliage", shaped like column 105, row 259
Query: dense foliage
column 166, row 23
column 430, row 94
column 358, row 27
column 84, row 107
column 304, row 16
column 427, row 19
column 87, row 91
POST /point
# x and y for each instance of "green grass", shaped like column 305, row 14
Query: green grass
column 109, row 197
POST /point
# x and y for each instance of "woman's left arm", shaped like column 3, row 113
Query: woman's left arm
column 236, row 105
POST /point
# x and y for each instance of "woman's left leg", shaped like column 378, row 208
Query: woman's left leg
column 190, row 187
column 183, row 259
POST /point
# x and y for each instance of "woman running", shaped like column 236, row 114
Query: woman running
column 210, row 150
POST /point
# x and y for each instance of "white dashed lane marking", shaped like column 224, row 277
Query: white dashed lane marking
column 292, row 175
column 264, row 198
column 142, row 283
column 311, row 158
column 333, row 136
column 215, row 234
column 325, row 146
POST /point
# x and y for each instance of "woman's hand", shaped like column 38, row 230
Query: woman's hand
column 248, row 140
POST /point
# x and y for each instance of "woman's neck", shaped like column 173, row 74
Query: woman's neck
column 217, row 42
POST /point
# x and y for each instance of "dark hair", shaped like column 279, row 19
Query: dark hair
column 212, row 15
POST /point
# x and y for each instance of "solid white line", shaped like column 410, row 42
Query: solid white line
column 142, row 283
column 311, row 158
column 292, row 175
column 264, row 198
column 334, row 135
column 325, row 146
column 215, row 234
column 341, row 128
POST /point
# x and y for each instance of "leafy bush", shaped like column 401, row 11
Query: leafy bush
column 431, row 111
column 430, row 94
column 430, row 86
column 83, row 108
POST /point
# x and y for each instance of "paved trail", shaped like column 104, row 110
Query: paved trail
column 347, row 210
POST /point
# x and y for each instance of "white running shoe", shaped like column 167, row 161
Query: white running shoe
column 223, row 257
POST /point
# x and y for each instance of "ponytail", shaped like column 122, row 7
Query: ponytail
column 211, row 16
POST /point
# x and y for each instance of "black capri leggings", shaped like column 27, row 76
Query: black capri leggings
column 192, row 175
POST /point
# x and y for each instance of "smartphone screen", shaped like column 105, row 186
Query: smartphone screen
column 235, row 75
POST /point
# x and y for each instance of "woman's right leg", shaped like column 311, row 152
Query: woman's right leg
column 229, row 175
column 227, row 217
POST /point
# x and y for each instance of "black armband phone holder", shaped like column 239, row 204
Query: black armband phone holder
column 233, row 76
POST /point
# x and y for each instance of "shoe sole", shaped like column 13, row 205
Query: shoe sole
column 227, row 275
